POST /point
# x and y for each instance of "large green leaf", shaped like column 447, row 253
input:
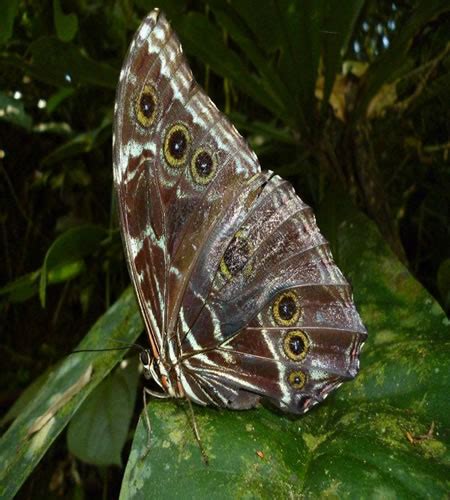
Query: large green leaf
column 384, row 434
column 99, row 429
column 41, row 421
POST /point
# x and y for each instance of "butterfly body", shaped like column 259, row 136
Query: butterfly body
column 239, row 293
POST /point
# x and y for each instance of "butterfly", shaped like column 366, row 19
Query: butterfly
column 240, row 296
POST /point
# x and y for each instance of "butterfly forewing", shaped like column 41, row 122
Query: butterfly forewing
column 237, row 286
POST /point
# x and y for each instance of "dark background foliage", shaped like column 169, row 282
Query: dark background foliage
column 369, row 125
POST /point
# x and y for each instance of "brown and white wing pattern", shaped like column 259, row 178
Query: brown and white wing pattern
column 237, row 287
column 276, row 319
column 170, row 141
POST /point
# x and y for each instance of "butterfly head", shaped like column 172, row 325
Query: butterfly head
column 154, row 369
column 147, row 364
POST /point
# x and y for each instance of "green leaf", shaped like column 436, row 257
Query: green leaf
column 20, row 289
column 80, row 143
column 63, row 65
column 66, row 25
column 301, row 30
column 383, row 435
column 57, row 98
column 241, row 34
column 98, row 431
column 263, row 23
column 8, row 9
column 326, row 453
column 408, row 331
column 194, row 29
column 65, row 272
column 25, row 398
column 13, row 111
column 68, row 248
column 262, row 129
column 29, row 437
column 27, row 286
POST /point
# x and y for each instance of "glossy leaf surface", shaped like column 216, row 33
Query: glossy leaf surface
column 42, row 420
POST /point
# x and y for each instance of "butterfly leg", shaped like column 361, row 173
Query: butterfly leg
column 147, row 418
column 196, row 433
column 147, row 424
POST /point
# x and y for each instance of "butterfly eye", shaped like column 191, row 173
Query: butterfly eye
column 146, row 106
column 236, row 256
column 176, row 144
column 297, row 379
column 296, row 345
column 203, row 166
column 286, row 309
column 145, row 358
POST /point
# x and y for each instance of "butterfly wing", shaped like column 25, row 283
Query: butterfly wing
column 276, row 319
column 236, row 284
column 170, row 141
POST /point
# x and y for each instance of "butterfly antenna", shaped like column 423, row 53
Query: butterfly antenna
column 127, row 346
column 137, row 346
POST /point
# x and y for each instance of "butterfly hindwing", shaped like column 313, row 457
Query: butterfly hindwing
column 240, row 339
